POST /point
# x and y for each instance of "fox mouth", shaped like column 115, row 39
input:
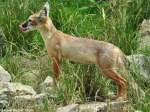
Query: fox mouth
column 24, row 27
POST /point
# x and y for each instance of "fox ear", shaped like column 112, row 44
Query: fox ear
column 44, row 12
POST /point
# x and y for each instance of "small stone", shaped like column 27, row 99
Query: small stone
column 47, row 85
column 49, row 81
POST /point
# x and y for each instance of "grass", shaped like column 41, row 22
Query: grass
column 117, row 22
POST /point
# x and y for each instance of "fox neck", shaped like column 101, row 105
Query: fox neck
column 47, row 30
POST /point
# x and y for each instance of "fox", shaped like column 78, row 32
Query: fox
column 59, row 45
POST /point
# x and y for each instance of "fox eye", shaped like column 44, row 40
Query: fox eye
column 30, row 20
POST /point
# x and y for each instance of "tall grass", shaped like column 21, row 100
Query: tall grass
column 116, row 23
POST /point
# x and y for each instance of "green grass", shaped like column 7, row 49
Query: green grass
column 102, row 21
column 116, row 23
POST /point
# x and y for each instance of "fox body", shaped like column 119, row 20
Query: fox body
column 87, row 51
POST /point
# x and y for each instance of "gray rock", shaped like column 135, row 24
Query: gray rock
column 4, row 75
column 104, row 107
column 38, row 97
column 19, row 110
column 145, row 26
column 3, row 104
column 3, row 98
column 47, row 85
column 145, row 34
column 49, row 81
column 4, row 94
column 141, row 63
column 93, row 107
column 28, row 100
column 116, row 106
column 17, row 89
column 69, row 108
column 18, row 94
column 31, row 77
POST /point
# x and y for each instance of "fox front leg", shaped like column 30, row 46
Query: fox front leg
column 56, row 67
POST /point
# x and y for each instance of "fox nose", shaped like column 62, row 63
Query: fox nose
column 24, row 25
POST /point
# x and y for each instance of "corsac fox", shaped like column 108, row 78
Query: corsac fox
column 87, row 51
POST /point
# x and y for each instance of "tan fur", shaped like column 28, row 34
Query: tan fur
column 87, row 51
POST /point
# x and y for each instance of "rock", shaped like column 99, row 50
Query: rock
column 3, row 94
column 69, row 108
column 31, row 78
column 19, row 110
column 3, row 104
column 118, row 106
column 34, row 70
column 28, row 100
column 141, row 63
column 49, row 81
column 16, row 89
column 12, row 93
column 4, row 75
column 47, row 85
column 104, row 107
column 3, row 98
column 145, row 34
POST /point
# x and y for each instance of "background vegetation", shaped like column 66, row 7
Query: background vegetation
column 115, row 21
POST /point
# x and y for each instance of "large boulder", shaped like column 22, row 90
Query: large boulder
column 31, row 78
column 28, row 100
column 120, row 106
column 145, row 34
column 10, row 91
column 141, row 64
column 4, row 75
column 32, row 74
column 115, row 106
column 17, row 89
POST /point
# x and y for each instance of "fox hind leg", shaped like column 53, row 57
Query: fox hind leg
column 120, row 82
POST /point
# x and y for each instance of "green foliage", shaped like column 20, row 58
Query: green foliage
column 80, row 83
column 116, row 23
column 12, row 66
column 145, row 51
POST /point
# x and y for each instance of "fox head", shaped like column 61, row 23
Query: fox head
column 36, row 20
